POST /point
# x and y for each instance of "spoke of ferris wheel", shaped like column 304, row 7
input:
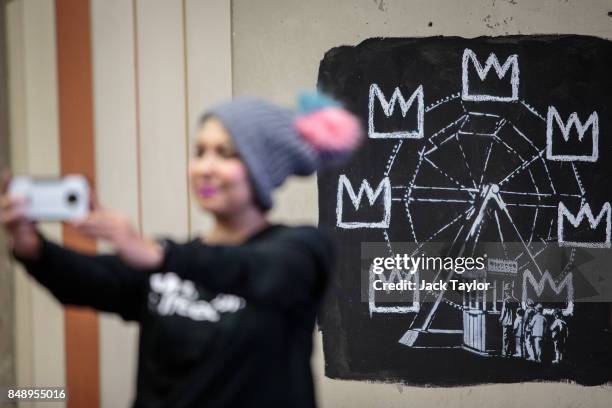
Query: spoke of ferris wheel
column 533, row 182
column 435, row 200
column 520, row 168
column 501, row 235
column 531, row 205
column 475, row 190
column 465, row 161
column 490, row 148
column 457, row 236
column 540, row 194
column 472, row 190
column 535, row 218
column 463, row 119
column 552, row 186
column 486, row 163
column 439, row 271
column 446, row 175
column 457, row 218
column 504, row 208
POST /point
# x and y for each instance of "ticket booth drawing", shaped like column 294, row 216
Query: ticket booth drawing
column 482, row 308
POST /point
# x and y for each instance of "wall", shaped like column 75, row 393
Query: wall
column 277, row 47
column 156, row 64
column 7, row 300
column 39, row 352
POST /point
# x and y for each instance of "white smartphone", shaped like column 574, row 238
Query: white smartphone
column 51, row 199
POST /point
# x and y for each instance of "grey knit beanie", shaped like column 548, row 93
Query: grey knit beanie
column 275, row 142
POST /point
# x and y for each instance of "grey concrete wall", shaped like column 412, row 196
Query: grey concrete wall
column 277, row 48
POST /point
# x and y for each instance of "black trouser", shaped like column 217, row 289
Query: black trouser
column 508, row 336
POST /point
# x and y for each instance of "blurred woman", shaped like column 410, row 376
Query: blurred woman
column 226, row 319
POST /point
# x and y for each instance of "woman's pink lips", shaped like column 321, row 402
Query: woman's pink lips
column 207, row 191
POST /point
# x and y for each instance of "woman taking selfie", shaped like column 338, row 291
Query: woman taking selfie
column 226, row 319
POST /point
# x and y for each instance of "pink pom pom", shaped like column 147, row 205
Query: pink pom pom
column 330, row 129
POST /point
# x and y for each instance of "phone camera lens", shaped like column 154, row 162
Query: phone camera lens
column 72, row 198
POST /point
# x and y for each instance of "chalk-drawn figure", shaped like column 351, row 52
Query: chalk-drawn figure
column 559, row 334
column 538, row 327
column 556, row 125
column 519, row 333
column 506, row 318
column 600, row 226
column 530, row 312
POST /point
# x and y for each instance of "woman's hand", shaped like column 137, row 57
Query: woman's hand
column 21, row 231
column 114, row 227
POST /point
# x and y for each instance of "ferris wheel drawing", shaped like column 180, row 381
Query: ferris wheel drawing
column 490, row 168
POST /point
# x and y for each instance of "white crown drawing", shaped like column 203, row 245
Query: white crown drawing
column 411, row 305
column 383, row 190
column 538, row 286
column 565, row 216
column 553, row 137
column 388, row 107
column 511, row 64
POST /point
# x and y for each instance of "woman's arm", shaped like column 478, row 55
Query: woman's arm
column 103, row 282
column 290, row 268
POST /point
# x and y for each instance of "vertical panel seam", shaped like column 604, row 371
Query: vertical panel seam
column 186, row 107
column 137, row 116
column 231, row 34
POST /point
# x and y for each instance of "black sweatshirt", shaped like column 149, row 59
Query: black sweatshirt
column 220, row 326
